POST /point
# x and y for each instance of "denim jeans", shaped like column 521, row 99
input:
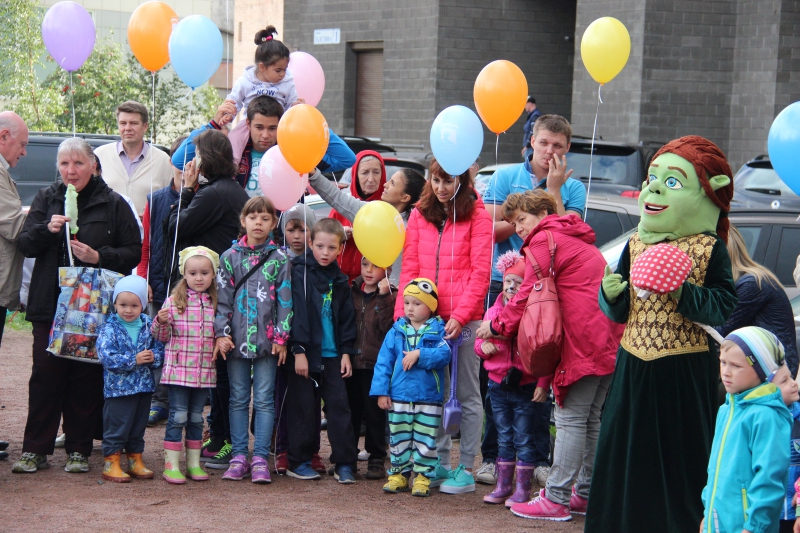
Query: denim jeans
column 263, row 382
column 185, row 411
column 523, row 426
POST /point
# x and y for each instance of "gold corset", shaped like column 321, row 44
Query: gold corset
column 655, row 329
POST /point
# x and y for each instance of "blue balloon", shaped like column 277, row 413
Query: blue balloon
column 195, row 50
column 783, row 145
column 456, row 139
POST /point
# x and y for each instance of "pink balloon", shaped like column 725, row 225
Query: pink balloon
column 309, row 78
column 279, row 181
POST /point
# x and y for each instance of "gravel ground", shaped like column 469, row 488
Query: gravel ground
column 52, row 500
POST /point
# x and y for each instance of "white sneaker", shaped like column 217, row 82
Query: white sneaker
column 363, row 455
column 486, row 474
column 541, row 473
column 60, row 440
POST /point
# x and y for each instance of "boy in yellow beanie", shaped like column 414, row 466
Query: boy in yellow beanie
column 408, row 382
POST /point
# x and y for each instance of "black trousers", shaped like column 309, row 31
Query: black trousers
column 303, row 399
column 220, row 400
column 3, row 312
column 362, row 407
column 62, row 386
column 124, row 423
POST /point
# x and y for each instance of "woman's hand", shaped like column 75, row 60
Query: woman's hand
column 56, row 223
column 384, row 402
column 280, row 351
column 190, row 174
column 453, row 329
column 145, row 357
column 484, row 331
column 85, row 253
column 347, row 368
column 540, row 395
column 301, row 365
column 348, row 232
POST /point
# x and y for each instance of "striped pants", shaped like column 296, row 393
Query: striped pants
column 412, row 429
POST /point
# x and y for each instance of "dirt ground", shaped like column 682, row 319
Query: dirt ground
column 54, row 501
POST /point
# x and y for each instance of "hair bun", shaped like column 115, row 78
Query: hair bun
column 265, row 35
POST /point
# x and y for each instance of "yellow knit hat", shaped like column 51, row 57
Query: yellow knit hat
column 424, row 290
column 194, row 251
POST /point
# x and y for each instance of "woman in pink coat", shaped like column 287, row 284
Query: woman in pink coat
column 457, row 257
column 588, row 351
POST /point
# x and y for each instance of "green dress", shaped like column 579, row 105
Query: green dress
column 658, row 421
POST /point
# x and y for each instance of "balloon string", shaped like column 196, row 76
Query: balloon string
column 591, row 153
column 494, row 213
column 153, row 131
column 72, row 102
column 178, row 219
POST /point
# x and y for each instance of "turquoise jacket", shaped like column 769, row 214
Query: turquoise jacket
column 749, row 463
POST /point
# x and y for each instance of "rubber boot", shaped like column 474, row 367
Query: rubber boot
column 112, row 471
column 193, row 469
column 172, row 463
column 524, row 477
column 136, row 468
column 505, row 473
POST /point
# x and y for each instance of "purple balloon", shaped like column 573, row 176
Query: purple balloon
column 68, row 33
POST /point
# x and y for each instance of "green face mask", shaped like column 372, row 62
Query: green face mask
column 673, row 203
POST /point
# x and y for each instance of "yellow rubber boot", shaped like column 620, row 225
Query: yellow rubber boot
column 112, row 471
column 136, row 468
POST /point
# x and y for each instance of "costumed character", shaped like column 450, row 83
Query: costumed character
column 658, row 422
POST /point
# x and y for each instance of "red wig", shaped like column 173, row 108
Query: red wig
column 708, row 161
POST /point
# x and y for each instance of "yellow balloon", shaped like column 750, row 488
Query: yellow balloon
column 379, row 233
column 605, row 48
column 148, row 34
column 500, row 93
column 303, row 137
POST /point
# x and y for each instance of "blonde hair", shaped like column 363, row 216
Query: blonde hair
column 742, row 264
column 180, row 295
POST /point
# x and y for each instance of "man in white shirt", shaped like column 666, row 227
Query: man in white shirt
column 131, row 166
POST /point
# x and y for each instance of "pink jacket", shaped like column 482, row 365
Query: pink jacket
column 498, row 364
column 457, row 259
column 188, row 343
column 590, row 338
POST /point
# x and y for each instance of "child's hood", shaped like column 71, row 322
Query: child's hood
column 436, row 325
column 766, row 394
column 314, row 269
column 242, row 246
column 250, row 75
column 355, row 188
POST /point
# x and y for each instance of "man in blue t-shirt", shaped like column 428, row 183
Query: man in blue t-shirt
column 546, row 169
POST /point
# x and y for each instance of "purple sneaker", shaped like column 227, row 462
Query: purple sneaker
column 260, row 470
column 238, row 468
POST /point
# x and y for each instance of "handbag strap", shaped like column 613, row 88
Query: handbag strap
column 551, row 245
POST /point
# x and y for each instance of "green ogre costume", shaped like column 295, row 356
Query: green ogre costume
column 659, row 416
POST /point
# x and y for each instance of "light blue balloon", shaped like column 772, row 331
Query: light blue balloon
column 783, row 145
column 456, row 139
column 195, row 50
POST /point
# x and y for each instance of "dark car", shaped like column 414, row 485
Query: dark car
column 758, row 185
column 38, row 169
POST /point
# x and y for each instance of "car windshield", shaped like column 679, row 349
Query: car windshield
column 612, row 250
column 612, row 164
column 760, row 178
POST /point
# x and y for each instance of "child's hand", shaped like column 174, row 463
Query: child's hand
column 280, row 351
column 383, row 286
column 163, row 316
column 410, row 359
column 301, row 365
column 347, row 368
column 222, row 347
column 489, row 348
column 384, row 402
column 702, row 524
column 298, row 101
column 540, row 395
column 145, row 357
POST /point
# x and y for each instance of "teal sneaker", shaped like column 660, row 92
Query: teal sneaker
column 460, row 482
column 440, row 475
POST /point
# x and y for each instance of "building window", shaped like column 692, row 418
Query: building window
column 368, row 88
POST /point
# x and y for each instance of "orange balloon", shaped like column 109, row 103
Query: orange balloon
column 500, row 93
column 148, row 34
column 303, row 137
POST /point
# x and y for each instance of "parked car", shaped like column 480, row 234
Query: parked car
column 772, row 239
column 757, row 184
column 617, row 168
column 38, row 169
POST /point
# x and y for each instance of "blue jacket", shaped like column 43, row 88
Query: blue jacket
column 788, row 511
column 160, row 203
column 121, row 375
column 425, row 381
column 748, row 463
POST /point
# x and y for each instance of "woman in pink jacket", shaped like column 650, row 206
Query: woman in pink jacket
column 457, row 257
column 588, row 351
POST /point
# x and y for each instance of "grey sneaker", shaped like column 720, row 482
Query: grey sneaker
column 77, row 463
column 29, row 463
column 541, row 473
column 486, row 474
column 222, row 460
column 61, row 440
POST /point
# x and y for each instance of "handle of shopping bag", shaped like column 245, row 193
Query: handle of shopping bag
column 69, row 245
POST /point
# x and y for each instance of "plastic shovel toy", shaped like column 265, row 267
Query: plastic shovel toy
column 451, row 418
